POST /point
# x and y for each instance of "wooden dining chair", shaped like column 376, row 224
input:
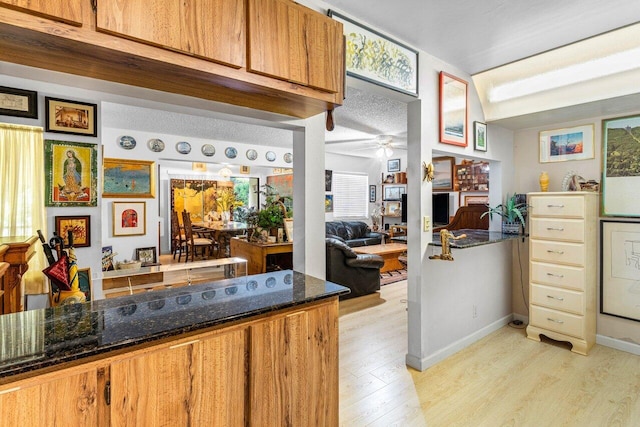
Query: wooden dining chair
column 193, row 242
column 178, row 242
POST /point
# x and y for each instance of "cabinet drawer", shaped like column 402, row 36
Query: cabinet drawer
column 568, row 230
column 558, row 275
column 557, row 321
column 558, row 206
column 557, row 252
column 557, row 298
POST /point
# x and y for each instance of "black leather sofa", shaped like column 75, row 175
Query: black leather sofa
column 353, row 233
column 358, row 272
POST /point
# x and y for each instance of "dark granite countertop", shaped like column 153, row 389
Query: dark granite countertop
column 74, row 331
column 475, row 238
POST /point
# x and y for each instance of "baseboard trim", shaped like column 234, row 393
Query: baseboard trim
column 440, row 355
column 618, row 344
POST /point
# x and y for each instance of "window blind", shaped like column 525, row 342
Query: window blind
column 350, row 195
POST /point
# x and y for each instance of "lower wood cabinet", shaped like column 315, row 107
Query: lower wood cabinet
column 68, row 397
column 197, row 382
column 281, row 369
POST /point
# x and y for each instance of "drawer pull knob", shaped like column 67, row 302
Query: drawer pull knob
column 555, row 228
column 555, row 252
column 555, row 320
column 558, row 298
column 555, row 275
column 555, row 206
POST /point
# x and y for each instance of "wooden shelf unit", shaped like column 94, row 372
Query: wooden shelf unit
column 469, row 177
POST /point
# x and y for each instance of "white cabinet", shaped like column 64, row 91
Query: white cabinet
column 562, row 268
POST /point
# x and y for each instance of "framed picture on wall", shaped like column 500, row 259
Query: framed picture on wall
column 80, row 226
column 620, row 171
column 443, row 173
column 73, row 117
column 328, row 202
column 129, row 219
column 70, row 173
column 18, row 102
column 128, row 178
column 393, row 165
column 561, row 145
column 372, row 194
column 479, row 136
column 147, row 256
column 620, row 269
column 328, row 178
column 453, row 110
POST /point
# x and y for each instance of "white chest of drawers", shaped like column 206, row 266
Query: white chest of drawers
column 562, row 267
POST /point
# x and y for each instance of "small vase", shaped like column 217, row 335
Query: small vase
column 544, row 181
column 225, row 217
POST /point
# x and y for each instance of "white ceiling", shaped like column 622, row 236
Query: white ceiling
column 473, row 36
column 476, row 35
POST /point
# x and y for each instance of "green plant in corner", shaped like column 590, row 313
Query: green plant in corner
column 511, row 211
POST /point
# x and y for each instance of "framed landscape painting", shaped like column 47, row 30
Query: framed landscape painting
column 620, row 172
column 70, row 173
column 560, row 145
column 443, row 173
column 128, row 178
column 453, row 110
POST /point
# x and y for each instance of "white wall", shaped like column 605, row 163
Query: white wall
column 528, row 169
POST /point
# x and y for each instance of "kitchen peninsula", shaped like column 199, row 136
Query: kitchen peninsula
column 251, row 350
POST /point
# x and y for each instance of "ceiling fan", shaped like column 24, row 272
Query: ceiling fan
column 384, row 145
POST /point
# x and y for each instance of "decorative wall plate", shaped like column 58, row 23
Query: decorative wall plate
column 208, row 150
column 183, row 147
column 252, row 154
column 127, row 142
column 231, row 152
column 270, row 156
column 156, row 145
column 288, row 157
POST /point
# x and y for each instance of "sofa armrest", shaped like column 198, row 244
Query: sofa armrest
column 333, row 236
column 365, row 261
column 342, row 246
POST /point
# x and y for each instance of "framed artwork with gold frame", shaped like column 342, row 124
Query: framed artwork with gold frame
column 125, row 178
column 70, row 173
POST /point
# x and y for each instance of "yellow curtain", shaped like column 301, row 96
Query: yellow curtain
column 22, row 209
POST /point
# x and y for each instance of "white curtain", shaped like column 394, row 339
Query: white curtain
column 22, row 209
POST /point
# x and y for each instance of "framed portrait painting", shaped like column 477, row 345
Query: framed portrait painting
column 453, row 110
column 561, row 145
column 18, row 102
column 129, row 219
column 620, row 168
column 620, row 269
column 73, row 117
column 70, row 173
column 79, row 226
column 128, row 178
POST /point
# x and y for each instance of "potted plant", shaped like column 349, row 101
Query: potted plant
column 513, row 213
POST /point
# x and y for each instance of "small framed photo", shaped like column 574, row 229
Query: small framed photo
column 80, row 226
column 443, row 173
column 18, row 102
column 453, row 110
column 328, row 178
column 245, row 170
column 148, row 256
column 480, row 136
column 128, row 178
column 393, row 192
column 328, row 202
column 372, row 194
column 392, row 209
column 129, row 219
column 393, row 165
column 561, row 145
column 73, row 117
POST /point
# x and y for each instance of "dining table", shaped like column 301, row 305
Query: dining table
column 222, row 233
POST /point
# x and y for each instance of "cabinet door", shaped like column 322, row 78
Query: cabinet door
column 199, row 383
column 293, row 369
column 69, row 11
column 69, row 399
column 211, row 29
column 294, row 43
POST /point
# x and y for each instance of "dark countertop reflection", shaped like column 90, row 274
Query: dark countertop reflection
column 75, row 331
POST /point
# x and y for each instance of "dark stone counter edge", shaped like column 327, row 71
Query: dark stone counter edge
column 476, row 238
column 34, row 365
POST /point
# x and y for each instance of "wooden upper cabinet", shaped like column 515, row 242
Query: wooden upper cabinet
column 209, row 29
column 291, row 42
column 69, row 11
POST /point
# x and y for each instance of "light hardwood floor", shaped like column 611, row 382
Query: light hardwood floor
column 504, row 379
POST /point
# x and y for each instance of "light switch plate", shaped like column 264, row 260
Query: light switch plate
column 426, row 223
